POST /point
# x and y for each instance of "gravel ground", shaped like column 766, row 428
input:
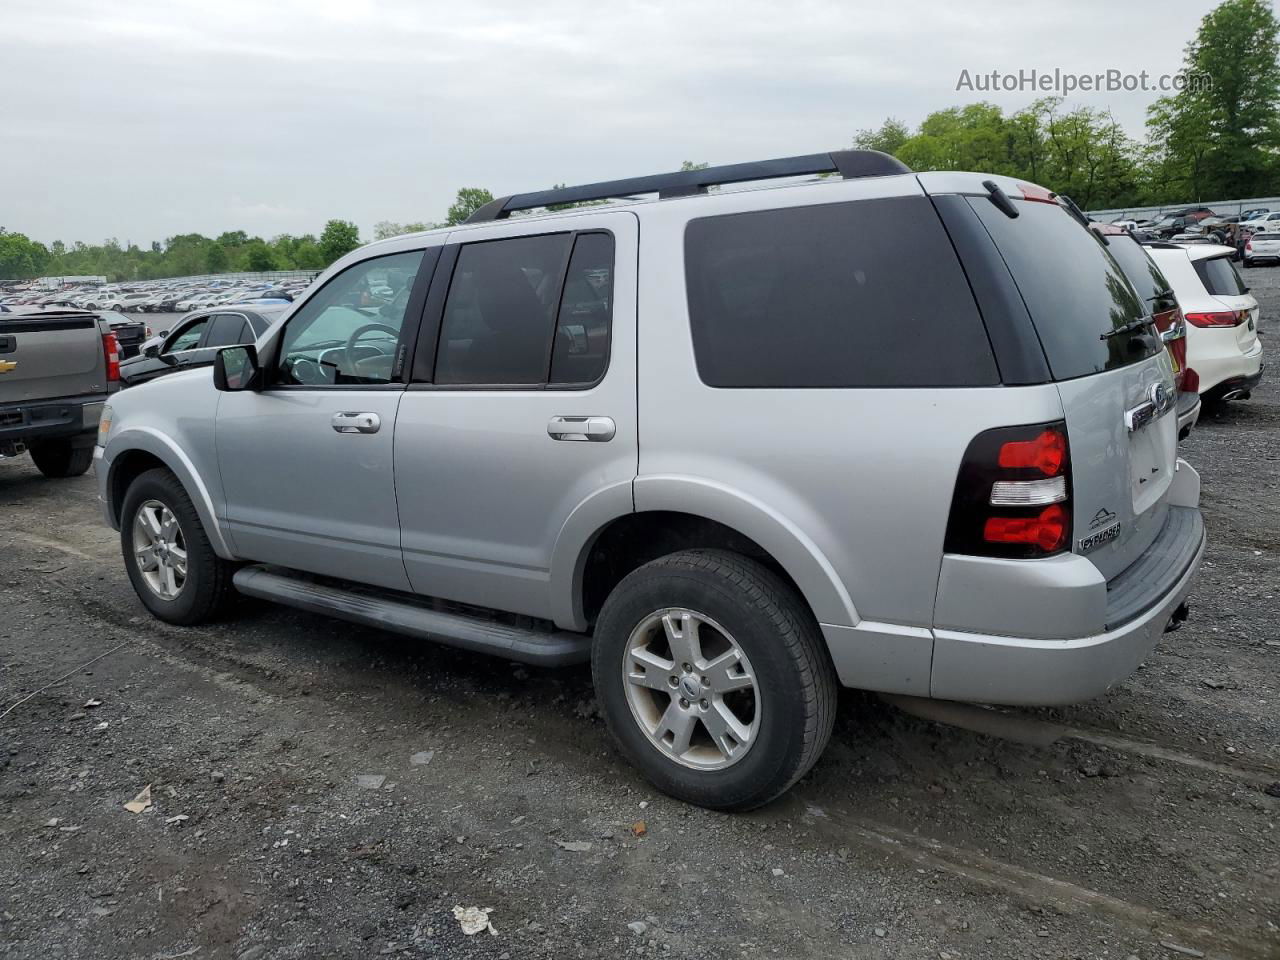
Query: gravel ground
column 320, row 790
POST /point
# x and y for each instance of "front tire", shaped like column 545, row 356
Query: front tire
column 59, row 459
column 167, row 554
column 713, row 678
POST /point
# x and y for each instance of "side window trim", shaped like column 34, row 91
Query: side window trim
column 409, row 327
column 213, row 319
column 423, row 368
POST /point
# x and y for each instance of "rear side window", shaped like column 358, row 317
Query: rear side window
column 581, row 349
column 1220, row 277
column 862, row 294
column 1141, row 271
column 499, row 313
column 227, row 329
column 1073, row 288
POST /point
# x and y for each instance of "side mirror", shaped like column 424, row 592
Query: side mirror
column 236, row 368
column 163, row 333
column 152, row 351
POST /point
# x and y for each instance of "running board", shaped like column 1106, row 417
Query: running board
column 546, row 648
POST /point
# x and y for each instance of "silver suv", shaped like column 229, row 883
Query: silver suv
column 736, row 447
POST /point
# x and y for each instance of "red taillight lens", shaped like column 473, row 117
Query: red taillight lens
column 1040, row 194
column 1013, row 494
column 1218, row 318
column 1045, row 453
column 1190, row 381
column 1047, row 530
column 111, row 350
column 1248, row 244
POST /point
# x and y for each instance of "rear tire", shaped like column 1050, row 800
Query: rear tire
column 59, row 459
column 202, row 578
column 739, row 613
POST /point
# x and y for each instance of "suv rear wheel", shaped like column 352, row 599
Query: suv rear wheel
column 169, row 559
column 713, row 678
column 59, row 458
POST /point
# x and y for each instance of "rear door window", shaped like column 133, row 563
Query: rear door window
column 1074, row 290
column 1220, row 277
column 861, row 294
column 226, row 329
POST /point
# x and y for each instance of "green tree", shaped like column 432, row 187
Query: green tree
column 259, row 257
column 469, row 200
column 216, row 259
column 887, row 138
column 339, row 237
column 21, row 258
column 1220, row 135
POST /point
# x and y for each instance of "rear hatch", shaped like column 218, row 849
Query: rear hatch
column 44, row 356
column 1223, row 281
column 1112, row 372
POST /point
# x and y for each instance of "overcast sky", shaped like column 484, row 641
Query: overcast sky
column 140, row 119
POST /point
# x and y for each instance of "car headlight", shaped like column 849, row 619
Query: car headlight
column 104, row 425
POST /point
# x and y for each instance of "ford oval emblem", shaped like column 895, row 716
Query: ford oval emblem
column 1161, row 396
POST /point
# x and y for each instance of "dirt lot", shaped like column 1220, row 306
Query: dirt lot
column 1140, row 824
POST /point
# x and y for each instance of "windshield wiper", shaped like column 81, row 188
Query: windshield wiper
column 1129, row 327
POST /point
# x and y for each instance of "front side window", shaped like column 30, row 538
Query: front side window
column 349, row 331
column 189, row 337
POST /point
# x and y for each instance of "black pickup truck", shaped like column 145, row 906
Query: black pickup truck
column 57, row 368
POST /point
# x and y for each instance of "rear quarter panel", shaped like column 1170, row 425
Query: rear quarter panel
column 850, row 489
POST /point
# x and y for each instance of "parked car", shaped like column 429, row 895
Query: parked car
column 1156, row 292
column 57, row 368
column 1254, row 212
column 736, row 448
column 1262, row 222
column 1222, row 316
column 195, row 339
column 1262, row 247
column 130, row 333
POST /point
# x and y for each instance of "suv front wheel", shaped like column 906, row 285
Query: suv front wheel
column 713, row 678
column 167, row 554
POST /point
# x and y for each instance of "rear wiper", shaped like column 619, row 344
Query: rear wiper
column 1129, row 327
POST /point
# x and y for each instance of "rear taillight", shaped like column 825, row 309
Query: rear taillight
column 111, row 351
column 1248, row 244
column 1217, row 318
column 1013, row 494
column 1190, row 381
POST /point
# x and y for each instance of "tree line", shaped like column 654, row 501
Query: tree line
column 1209, row 141
column 1212, row 140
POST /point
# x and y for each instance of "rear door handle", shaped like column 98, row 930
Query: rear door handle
column 594, row 429
column 356, row 422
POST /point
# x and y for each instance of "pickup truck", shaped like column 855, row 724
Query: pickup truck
column 57, row 368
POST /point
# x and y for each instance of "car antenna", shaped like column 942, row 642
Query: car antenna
column 1001, row 199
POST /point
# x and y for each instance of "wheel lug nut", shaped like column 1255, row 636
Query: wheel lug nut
column 687, row 668
column 684, row 703
column 706, row 682
column 673, row 680
column 703, row 704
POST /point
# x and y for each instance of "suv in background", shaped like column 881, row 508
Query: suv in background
column 736, row 448
column 1222, row 316
column 1158, row 295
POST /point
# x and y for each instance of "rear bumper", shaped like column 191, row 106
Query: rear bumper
column 1188, row 411
column 51, row 419
column 1217, row 358
column 1234, row 386
column 1045, row 672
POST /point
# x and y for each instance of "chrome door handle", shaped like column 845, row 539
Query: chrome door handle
column 595, row 429
column 356, row 422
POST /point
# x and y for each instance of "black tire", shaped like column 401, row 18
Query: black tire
column 208, row 580
column 60, row 458
column 795, row 681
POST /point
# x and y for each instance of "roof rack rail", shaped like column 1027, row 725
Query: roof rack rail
column 849, row 164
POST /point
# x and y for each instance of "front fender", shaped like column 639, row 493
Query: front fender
column 152, row 441
column 784, row 540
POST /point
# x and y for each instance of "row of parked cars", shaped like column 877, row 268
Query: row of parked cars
column 1254, row 234
column 161, row 296
column 909, row 433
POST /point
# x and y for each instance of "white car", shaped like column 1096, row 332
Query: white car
column 1223, row 348
column 1262, row 247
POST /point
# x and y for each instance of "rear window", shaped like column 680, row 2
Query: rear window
column 1220, row 277
column 1072, row 286
column 862, row 294
column 1142, row 272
